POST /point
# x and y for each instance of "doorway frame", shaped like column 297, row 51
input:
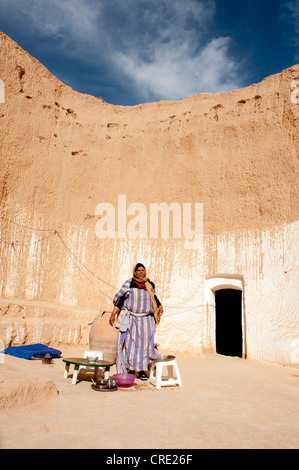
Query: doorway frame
column 217, row 282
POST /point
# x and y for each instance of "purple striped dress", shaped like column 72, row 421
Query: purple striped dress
column 136, row 343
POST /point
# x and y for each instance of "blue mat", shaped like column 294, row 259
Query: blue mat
column 32, row 351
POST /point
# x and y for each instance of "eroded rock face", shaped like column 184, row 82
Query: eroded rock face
column 19, row 393
column 64, row 153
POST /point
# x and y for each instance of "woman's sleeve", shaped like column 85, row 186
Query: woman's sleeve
column 120, row 296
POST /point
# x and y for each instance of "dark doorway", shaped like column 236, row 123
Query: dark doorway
column 229, row 322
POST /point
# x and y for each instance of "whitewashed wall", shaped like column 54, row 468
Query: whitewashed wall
column 49, row 295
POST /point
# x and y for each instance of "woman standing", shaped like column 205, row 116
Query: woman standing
column 138, row 310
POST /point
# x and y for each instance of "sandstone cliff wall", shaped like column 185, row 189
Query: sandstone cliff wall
column 63, row 153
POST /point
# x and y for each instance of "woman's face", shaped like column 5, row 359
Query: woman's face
column 140, row 272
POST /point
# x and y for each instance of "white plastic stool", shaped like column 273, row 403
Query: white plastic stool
column 157, row 378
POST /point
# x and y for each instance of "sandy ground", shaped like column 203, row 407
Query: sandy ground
column 225, row 403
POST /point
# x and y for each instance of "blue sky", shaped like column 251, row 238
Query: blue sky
column 134, row 51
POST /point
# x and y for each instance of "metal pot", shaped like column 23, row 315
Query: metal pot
column 111, row 382
column 100, row 383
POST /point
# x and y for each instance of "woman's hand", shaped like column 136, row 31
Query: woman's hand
column 113, row 315
column 112, row 319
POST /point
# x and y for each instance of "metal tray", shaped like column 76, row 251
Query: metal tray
column 98, row 388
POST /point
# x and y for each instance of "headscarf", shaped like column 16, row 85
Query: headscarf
column 149, row 288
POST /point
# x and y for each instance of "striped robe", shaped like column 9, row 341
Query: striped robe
column 136, row 344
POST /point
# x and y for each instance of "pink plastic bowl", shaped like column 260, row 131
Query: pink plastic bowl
column 124, row 380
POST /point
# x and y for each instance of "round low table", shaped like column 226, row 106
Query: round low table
column 80, row 361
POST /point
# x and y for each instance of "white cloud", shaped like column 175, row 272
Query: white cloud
column 65, row 20
column 291, row 15
column 178, row 60
column 173, row 73
column 163, row 49
column 293, row 7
